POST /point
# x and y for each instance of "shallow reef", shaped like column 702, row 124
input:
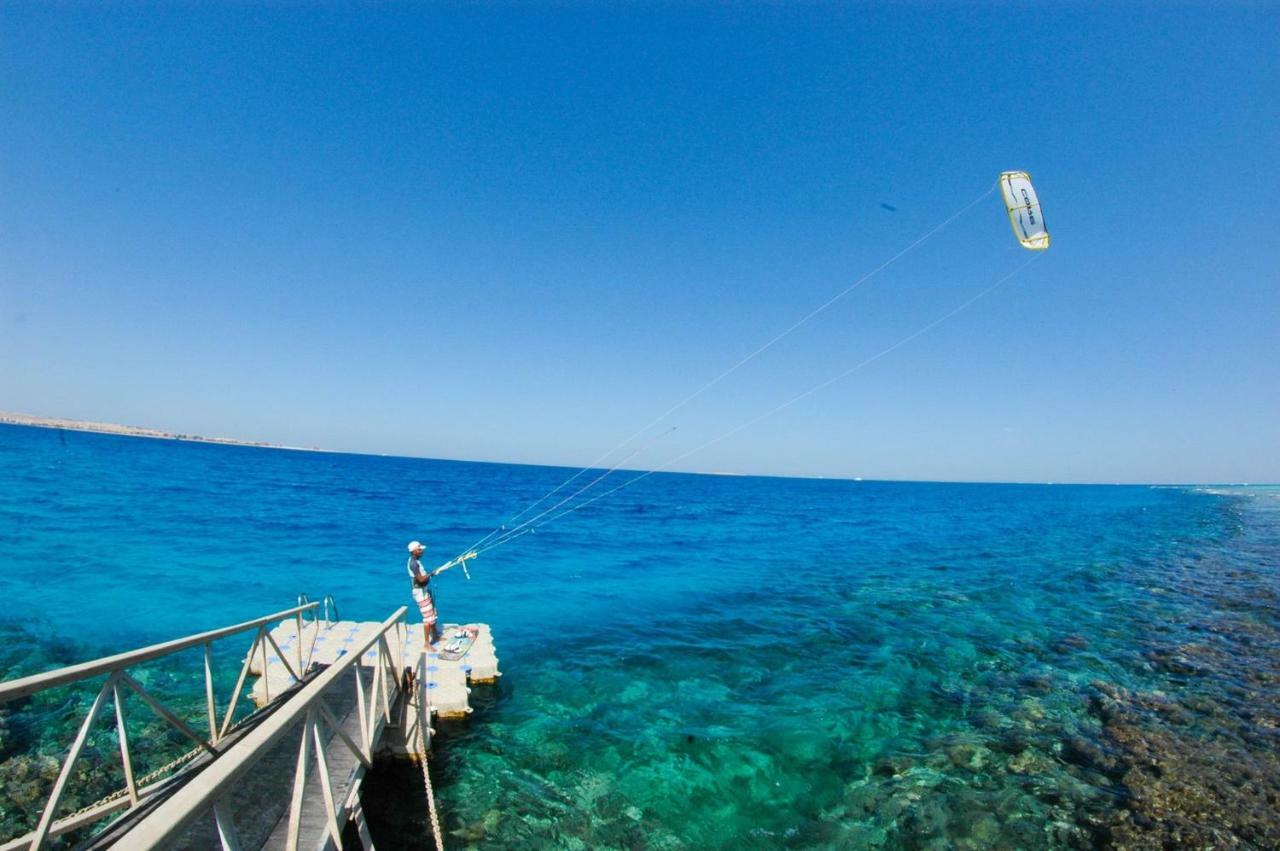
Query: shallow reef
column 706, row 662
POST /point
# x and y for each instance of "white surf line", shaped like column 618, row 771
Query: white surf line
column 793, row 400
column 734, row 368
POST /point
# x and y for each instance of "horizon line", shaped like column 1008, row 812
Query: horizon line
column 12, row 418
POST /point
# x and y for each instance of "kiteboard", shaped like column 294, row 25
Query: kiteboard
column 455, row 641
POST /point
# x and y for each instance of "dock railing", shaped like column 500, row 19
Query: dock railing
column 119, row 682
column 210, row 790
column 328, row 609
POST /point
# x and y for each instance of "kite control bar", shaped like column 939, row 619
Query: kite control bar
column 455, row 562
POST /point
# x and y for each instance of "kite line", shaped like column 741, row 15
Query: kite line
column 530, row 526
column 501, row 531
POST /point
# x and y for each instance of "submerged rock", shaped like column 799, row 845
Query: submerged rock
column 1182, row 788
column 968, row 756
column 1036, row 684
column 1084, row 753
column 893, row 765
column 989, row 719
column 1029, row 762
column 1071, row 643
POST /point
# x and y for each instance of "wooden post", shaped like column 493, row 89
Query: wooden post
column 208, row 692
column 123, row 733
column 60, row 785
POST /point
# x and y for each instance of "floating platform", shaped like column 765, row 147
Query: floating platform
column 447, row 680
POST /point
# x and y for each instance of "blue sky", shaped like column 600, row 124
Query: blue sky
column 517, row 233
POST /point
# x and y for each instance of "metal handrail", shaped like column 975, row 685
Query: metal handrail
column 328, row 609
column 208, row 790
column 112, row 692
column 25, row 686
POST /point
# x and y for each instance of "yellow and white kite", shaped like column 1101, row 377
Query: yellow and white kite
column 1024, row 210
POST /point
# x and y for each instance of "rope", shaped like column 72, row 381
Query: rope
column 141, row 781
column 531, row 522
column 822, row 307
column 151, row 776
column 502, row 531
column 423, row 718
column 431, row 806
column 562, row 485
column 788, row 403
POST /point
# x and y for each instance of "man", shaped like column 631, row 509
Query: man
column 420, row 578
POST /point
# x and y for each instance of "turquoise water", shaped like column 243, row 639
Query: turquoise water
column 712, row 662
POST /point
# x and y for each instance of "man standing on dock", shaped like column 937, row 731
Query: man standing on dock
column 421, row 578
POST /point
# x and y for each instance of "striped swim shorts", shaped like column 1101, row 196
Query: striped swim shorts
column 426, row 605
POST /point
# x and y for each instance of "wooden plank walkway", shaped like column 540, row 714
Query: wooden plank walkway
column 345, row 775
column 260, row 801
column 446, row 687
column 254, row 796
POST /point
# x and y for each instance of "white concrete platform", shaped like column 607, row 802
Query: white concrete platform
column 322, row 644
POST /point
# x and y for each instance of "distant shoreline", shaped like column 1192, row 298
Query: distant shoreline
column 7, row 418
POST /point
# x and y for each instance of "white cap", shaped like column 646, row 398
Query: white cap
column 416, row 545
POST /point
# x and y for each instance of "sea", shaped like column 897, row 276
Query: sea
column 696, row 662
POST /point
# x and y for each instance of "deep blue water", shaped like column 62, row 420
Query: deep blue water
column 703, row 661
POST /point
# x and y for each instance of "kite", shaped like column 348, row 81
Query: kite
column 1024, row 210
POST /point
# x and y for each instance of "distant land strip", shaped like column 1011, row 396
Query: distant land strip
column 7, row 418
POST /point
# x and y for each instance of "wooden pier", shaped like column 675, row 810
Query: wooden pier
column 331, row 695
